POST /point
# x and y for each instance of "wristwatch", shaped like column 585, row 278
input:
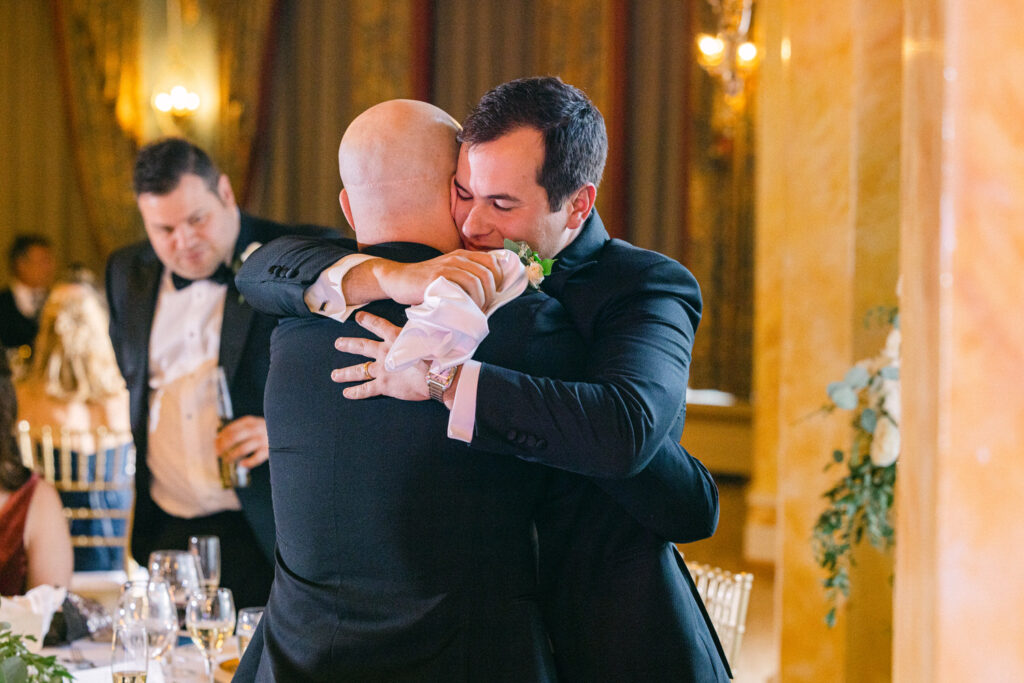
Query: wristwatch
column 438, row 382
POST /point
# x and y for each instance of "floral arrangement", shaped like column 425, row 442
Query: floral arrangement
column 537, row 268
column 861, row 501
column 19, row 665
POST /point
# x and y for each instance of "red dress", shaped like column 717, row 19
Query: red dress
column 13, row 560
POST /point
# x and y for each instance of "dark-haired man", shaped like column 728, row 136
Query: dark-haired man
column 619, row 603
column 32, row 270
column 175, row 318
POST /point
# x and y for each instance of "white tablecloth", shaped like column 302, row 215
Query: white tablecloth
column 98, row 654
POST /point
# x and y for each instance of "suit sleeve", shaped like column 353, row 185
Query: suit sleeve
column 113, row 288
column 611, row 425
column 274, row 278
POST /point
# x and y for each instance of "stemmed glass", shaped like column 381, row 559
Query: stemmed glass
column 149, row 603
column 248, row 618
column 128, row 660
column 210, row 619
column 179, row 570
column 206, row 550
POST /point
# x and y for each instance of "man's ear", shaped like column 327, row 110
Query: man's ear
column 580, row 204
column 346, row 208
column 224, row 191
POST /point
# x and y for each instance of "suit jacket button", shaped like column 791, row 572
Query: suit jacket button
column 271, row 270
column 531, row 440
column 542, row 443
column 293, row 273
column 512, row 435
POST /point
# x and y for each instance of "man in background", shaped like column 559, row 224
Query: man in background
column 32, row 270
column 176, row 322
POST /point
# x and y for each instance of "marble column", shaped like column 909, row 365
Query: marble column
column 959, row 599
column 827, row 239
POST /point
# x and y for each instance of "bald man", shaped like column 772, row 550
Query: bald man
column 402, row 555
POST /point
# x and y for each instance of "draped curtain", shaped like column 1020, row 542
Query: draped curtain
column 97, row 44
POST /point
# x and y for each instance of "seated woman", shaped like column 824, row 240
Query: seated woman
column 35, row 546
column 73, row 383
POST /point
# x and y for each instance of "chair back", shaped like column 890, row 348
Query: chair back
column 94, row 472
column 726, row 596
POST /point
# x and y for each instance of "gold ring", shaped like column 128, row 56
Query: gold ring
column 366, row 369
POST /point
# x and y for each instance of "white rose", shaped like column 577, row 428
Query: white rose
column 891, row 399
column 885, row 446
column 535, row 273
column 253, row 246
column 892, row 348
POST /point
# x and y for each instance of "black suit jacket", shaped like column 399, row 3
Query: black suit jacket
column 15, row 328
column 132, row 280
column 637, row 312
column 402, row 554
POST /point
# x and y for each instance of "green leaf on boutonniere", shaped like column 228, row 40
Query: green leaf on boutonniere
column 842, row 395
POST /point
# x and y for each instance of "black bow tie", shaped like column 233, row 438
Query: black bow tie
column 222, row 276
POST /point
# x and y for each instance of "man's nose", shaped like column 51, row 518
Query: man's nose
column 184, row 236
column 474, row 225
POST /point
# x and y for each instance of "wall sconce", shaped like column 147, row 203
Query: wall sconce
column 729, row 56
column 180, row 101
column 173, row 96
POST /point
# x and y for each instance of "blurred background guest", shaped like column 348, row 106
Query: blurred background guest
column 35, row 545
column 32, row 270
column 73, row 383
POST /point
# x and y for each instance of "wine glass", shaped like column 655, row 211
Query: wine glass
column 248, row 618
column 149, row 603
column 128, row 660
column 179, row 570
column 210, row 619
column 206, row 550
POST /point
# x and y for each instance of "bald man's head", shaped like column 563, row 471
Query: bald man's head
column 396, row 160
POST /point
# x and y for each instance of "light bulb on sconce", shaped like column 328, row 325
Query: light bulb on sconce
column 729, row 57
column 179, row 101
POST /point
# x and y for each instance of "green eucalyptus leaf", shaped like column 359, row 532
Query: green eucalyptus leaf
column 857, row 377
column 14, row 670
column 546, row 264
column 890, row 372
column 511, row 245
column 868, row 420
column 842, row 395
column 837, row 455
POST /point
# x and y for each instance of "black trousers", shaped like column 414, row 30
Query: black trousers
column 243, row 568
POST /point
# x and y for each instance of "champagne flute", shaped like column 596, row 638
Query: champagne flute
column 149, row 603
column 179, row 570
column 206, row 550
column 210, row 619
column 128, row 660
column 248, row 618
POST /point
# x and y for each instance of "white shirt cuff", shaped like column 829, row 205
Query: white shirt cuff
column 325, row 297
column 463, row 416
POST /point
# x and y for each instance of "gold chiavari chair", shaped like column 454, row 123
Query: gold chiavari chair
column 726, row 596
column 84, row 466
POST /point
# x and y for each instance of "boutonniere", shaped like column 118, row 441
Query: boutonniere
column 236, row 265
column 537, row 268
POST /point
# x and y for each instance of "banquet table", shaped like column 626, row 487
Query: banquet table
column 92, row 663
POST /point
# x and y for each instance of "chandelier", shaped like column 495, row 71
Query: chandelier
column 728, row 55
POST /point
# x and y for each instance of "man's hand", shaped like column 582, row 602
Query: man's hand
column 244, row 441
column 407, row 385
column 475, row 272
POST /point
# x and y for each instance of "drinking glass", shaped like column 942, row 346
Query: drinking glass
column 179, row 570
column 206, row 550
column 128, row 660
column 210, row 619
column 149, row 603
column 248, row 618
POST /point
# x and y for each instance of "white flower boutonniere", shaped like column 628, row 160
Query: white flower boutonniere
column 243, row 257
column 537, row 268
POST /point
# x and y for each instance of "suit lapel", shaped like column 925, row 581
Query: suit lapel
column 580, row 253
column 146, row 280
column 238, row 315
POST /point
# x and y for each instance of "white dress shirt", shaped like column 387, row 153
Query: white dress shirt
column 325, row 297
column 184, row 348
column 27, row 300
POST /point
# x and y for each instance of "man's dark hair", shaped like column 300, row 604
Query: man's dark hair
column 22, row 243
column 161, row 164
column 575, row 140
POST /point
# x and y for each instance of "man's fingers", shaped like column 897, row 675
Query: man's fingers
column 379, row 326
column 364, row 390
column 357, row 346
column 362, row 372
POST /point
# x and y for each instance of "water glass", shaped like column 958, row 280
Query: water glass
column 149, row 603
column 248, row 618
column 178, row 568
column 206, row 550
column 129, row 662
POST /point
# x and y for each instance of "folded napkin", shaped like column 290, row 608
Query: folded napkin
column 30, row 614
column 447, row 327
